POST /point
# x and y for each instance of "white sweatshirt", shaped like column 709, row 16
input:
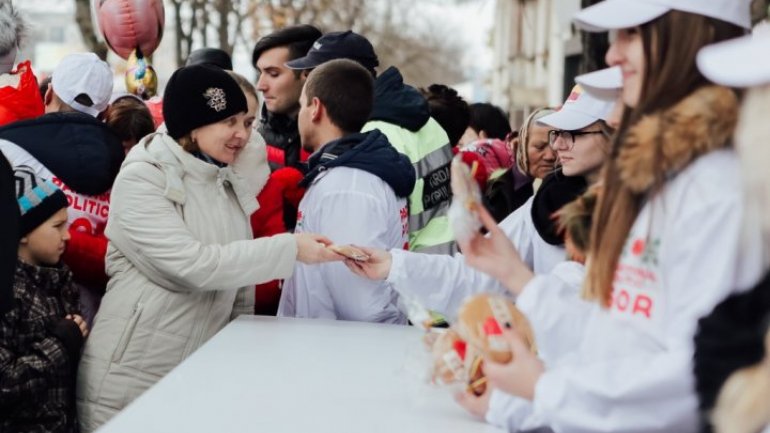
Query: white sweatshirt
column 688, row 249
column 441, row 282
column 349, row 206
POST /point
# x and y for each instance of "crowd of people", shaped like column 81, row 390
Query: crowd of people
column 628, row 224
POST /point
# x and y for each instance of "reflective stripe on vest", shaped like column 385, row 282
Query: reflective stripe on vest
column 430, row 153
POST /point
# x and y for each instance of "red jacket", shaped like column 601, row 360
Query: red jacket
column 281, row 194
column 24, row 101
column 85, row 256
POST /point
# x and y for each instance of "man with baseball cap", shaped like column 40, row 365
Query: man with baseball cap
column 403, row 115
column 70, row 145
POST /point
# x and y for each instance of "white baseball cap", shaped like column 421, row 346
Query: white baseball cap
column 602, row 84
column 83, row 73
column 579, row 110
column 622, row 14
column 741, row 62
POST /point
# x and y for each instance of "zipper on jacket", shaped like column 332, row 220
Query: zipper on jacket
column 128, row 332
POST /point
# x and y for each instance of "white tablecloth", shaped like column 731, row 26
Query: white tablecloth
column 273, row 375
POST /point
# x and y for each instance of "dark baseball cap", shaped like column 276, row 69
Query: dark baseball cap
column 338, row 45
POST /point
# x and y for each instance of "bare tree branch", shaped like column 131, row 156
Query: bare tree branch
column 88, row 29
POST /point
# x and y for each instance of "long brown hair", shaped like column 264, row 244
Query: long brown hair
column 671, row 44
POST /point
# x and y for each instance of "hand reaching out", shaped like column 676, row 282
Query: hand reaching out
column 311, row 249
column 376, row 268
column 495, row 254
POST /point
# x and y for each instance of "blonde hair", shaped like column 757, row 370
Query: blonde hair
column 522, row 156
column 574, row 220
column 751, row 141
column 743, row 405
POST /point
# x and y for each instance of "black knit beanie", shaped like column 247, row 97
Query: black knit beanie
column 200, row 95
column 38, row 199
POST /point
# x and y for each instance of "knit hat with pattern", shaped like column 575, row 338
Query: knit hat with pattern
column 200, row 95
column 38, row 198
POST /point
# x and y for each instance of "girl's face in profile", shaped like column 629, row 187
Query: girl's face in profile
column 627, row 52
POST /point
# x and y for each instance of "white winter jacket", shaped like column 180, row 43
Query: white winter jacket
column 182, row 264
column 349, row 206
column 632, row 369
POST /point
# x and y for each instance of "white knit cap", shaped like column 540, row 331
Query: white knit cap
column 12, row 31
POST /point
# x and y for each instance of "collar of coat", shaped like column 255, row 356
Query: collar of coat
column 663, row 143
column 163, row 151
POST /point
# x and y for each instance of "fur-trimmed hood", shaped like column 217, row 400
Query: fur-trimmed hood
column 663, row 143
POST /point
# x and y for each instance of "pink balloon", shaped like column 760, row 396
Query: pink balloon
column 130, row 24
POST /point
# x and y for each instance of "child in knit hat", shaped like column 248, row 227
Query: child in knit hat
column 42, row 334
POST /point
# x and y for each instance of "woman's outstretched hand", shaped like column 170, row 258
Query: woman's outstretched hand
column 376, row 268
column 495, row 254
column 311, row 249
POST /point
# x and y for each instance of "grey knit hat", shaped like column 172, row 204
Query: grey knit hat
column 38, row 198
column 12, row 31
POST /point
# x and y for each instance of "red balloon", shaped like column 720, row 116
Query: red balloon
column 130, row 24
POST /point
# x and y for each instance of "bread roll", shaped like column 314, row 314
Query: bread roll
column 481, row 320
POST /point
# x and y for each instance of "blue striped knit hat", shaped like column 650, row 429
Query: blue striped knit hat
column 38, row 198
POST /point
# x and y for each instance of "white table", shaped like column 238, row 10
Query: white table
column 273, row 375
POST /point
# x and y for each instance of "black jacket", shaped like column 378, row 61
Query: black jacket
column 9, row 235
column 370, row 152
column 39, row 352
column 79, row 149
column 399, row 103
column 556, row 191
column 503, row 195
column 281, row 132
column 731, row 337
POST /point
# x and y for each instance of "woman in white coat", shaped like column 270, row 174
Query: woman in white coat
column 180, row 257
column 668, row 240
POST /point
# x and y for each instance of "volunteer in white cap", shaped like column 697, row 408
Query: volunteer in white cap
column 582, row 142
column 581, row 135
column 731, row 376
column 666, row 241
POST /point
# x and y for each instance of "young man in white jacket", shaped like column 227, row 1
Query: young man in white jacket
column 357, row 188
